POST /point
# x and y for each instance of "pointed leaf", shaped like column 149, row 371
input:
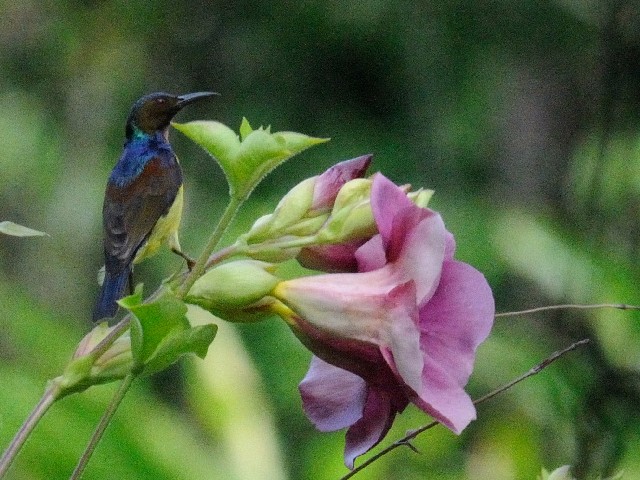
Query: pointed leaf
column 245, row 128
column 179, row 343
column 216, row 139
column 10, row 228
column 246, row 158
column 152, row 322
column 161, row 333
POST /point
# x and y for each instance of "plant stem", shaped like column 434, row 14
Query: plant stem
column 298, row 242
column 198, row 269
column 221, row 255
column 27, row 427
column 104, row 422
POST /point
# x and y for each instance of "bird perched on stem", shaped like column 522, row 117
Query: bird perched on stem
column 143, row 200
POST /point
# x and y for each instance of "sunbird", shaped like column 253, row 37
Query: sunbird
column 144, row 195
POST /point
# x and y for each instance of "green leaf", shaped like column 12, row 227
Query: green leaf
column 179, row 343
column 161, row 333
column 245, row 128
column 135, row 330
column 246, row 158
column 10, row 228
column 152, row 322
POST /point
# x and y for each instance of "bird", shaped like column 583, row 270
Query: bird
column 144, row 196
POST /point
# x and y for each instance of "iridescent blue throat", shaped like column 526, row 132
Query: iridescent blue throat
column 138, row 151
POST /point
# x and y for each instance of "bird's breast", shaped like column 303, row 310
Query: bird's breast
column 137, row 158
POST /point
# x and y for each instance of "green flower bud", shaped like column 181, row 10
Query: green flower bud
column 351, row 216
column 308, row 227
column 115, row 363
column 291, row 209
column 233, row 287
column 273, row 253
column 303, row 210
column 86, row 368
column 353, row 192
column 349, row 224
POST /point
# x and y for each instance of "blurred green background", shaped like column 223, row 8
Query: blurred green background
column 523, row 116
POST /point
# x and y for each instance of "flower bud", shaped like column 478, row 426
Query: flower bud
column 303, row 210
column 290, row 209
column 233, row 287
column 351, row 217
column 115, row 363
column 421, row 197
column 86, row 368
column 353, row 192
column 273, row 253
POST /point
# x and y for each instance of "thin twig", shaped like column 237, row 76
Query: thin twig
column 27, row 427
column 102, row 426
column 534, row 371
column 406, row 440
column 567, row 306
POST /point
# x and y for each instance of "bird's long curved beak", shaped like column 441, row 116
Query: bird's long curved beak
column 188, row 98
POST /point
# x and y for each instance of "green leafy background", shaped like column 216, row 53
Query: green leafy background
column 522, row 116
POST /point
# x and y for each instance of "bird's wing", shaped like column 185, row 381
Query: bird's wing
column 131, row 212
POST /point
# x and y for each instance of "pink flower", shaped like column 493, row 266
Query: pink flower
column 403, row 329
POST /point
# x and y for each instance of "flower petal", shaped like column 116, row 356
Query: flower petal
column 450, row 246
column 362, row 307
column 331, row 258
column 415, row 239
column 456, row 320
column 403, row 353
column 422, row 254
column 387, row 199
column 376, row 421
column 332, row 398
column 371, row 256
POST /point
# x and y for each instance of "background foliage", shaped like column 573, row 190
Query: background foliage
column 523, row 116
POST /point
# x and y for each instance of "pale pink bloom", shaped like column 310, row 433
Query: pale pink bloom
column 403, row 329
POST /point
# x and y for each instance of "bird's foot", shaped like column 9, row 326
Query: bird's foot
column 190, row 261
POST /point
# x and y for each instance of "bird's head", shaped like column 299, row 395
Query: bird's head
column 155, row 111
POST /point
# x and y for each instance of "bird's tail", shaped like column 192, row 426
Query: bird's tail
column 113, row 289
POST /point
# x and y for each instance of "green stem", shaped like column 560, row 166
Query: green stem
column 27, row 427
column 198, row 269
column 222, row 254
column 297, row 242
column 102, row 426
